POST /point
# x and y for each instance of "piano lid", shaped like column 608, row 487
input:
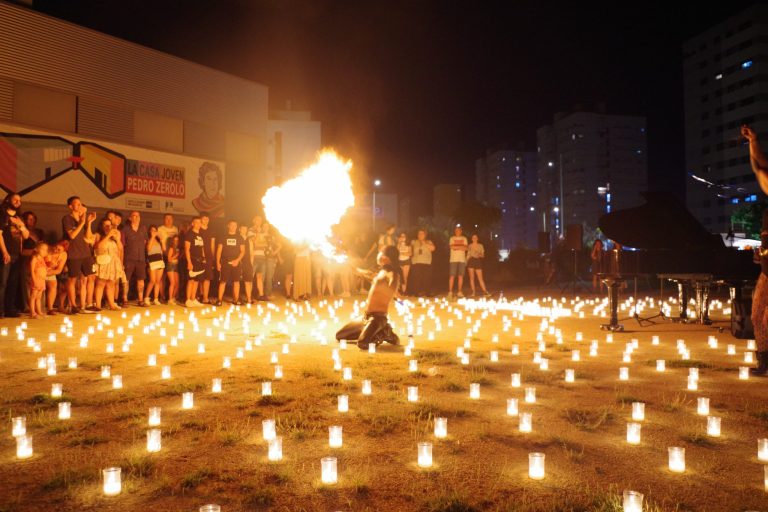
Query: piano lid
column 661, row 223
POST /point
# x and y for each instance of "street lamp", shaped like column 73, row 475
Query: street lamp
column 376, row 184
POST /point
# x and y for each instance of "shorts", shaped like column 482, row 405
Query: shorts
column 230, row 274
column 475, row 263
column 457, row 268
column 172, row 267
column 80, row 267
column 259, row 264
column 136, row 269
column 403, row 263
column 156, row 265
column 198, row 268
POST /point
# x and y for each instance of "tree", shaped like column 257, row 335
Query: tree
column 472, row 213
column 749, row 217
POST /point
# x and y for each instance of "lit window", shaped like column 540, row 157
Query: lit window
column 735, row 200
column 517, row 184
column 719, row 76
column 753, row 198
column 746, row 64
column 532, row 208
column 639, row 151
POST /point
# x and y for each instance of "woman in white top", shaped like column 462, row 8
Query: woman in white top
column 475, row 258
column 404, row 259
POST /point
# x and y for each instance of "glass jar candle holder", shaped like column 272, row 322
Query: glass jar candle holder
column 210, row 508
column 570, row 375
column 693, row 383
column 154, row 440
column 536, row 466
column 530, row 395
column 187, row 400
column 346, row 373
column 18, row 426
column 278, row 372
column 154, row 416
column 266, row 389
column 512, row 407
column 226, row 362
column 762, row 450
column 268, row 431
column 152, row 360
column 216, row 386
column 515, row 349
column 275, row 449
column 65, row 410
column 335, row 436
column 165, row 373
column 425, row 455
column 112, row 481
column 343, row 403
column 24, row 446
column 676, row 459
column 702, row 406
column 117, row 382
column 526, row 422
column 106, row 371
column 413, row 366
column 474, row 391
column 328, row 470
column 413, row 393
column 441, row 428
column 367, row 389
column 372, row 348
column 661, row 365
column 713, row 426
column 56, row 390
column 494, row 356
column 633, row 501
column 515, row 381
column 633, row 433
column 743, row 373
column 624, row 373
column 575, row 355
column 638, row 411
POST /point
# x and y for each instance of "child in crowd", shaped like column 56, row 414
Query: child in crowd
column 38, row 272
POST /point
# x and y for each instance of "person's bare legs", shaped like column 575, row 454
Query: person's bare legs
column 450, row 285
column 206, row 290
column 173, row 285
column 260, row 285
column 83, row 284
column 288, row 283
column 406, row 270
column 100, row 284
column 236, row 291
column 50, row 294
column 191, row 290
column 90, row 284
column 72, row 288
column 472, row 280
column 480, row 280
column 461, row 285
column 249, row 290
column 111, row 294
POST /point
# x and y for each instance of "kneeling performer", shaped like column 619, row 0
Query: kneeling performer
column 375, row 328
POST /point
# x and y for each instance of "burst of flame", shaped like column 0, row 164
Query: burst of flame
column 305, row 208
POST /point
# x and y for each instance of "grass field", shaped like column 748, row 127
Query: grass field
column 214, row 452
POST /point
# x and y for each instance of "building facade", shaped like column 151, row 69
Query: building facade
column 726, row 85
column 589, row 163
column 507, row 180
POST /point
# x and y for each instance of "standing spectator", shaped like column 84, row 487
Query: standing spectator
column 56, row 261
column 421, row 261
column 475, row 260
column 121, row 285
column 271, row 251
column 209, row 241
column 37, row 274
column 156, row 265
column 14, row 233
column 194, row 252
column 172, row 270
column 77, row 228
column 287, row 259
column 165, row 232
column 28, row 247
column 259, row 249
column 229, row 255
column 134, row 254
column 384, row 239
column 107, row 249
column 405, row 252
column 458, row 261
column 247, row 264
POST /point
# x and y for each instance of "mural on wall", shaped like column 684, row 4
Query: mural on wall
column 47, row 168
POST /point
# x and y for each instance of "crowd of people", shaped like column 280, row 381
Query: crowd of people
column 99, row 260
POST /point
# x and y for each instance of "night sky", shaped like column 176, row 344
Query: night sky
column 415, row 91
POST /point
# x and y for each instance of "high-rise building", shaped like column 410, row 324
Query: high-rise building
column 726, row 85
column 589, row 163
column 446, row 199
column 294, row 140
column 506, row 180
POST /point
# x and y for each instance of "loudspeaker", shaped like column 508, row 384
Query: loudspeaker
column 543, row 240
column 573, row 237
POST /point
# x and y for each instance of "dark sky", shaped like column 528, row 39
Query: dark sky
column 415, row 91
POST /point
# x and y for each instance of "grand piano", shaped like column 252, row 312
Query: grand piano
column 661, row 238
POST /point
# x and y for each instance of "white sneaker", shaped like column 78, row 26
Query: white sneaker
column 197, row 303
column 157, row 302
column 171, row 302
column 190, row 304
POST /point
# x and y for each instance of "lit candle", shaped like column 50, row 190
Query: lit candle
column 762, row 450
column 56, row 390
column 112, row 483
column 536, row 466
column 367, row 389
column 335, row 439
column 654, row 340
column 512, row 406
column 105, row 372
column 623, row 373
column 275, row 449
column 676, row 459
column 187, row 400
column 530, row 395
column 407, row 351
column 72, row 363
column 593, row 351
column 515, row 350
column 154, row 440
column 626, row 358
column 216, row 386
column 266, row 389
column 459, row 352
column 749, row 357
column 278, row 372
column 65, row 410
column 154, row 416
column 226, row 362
column 536, row 357
column 633, row 501
column 743, row 372
column 544, row 364
column 413, row 365
column 465, row 359
column 638, row 411
column 117, row 382
column 337, row 365
column 633, row 433
column 693, row 383
column 343, row 403
column 441, row 428
column 413, row 393
column 371, row 350
column 575, row 355
column 515, row 380
column 570, row 375
column 18, row 426
column 23, row 446
column 165, row 373
column 273, row 358
column 152, row 360
column 425, row 455
column 328, row 474
column 702, row 406
column 494, row 356
column 661, row 365
column 731, row 350
column 474, row 390
column 110, row 348
column 526, row 422
column 751, row 345
column 286, row 348
column 713, row 426
column 268, row 431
